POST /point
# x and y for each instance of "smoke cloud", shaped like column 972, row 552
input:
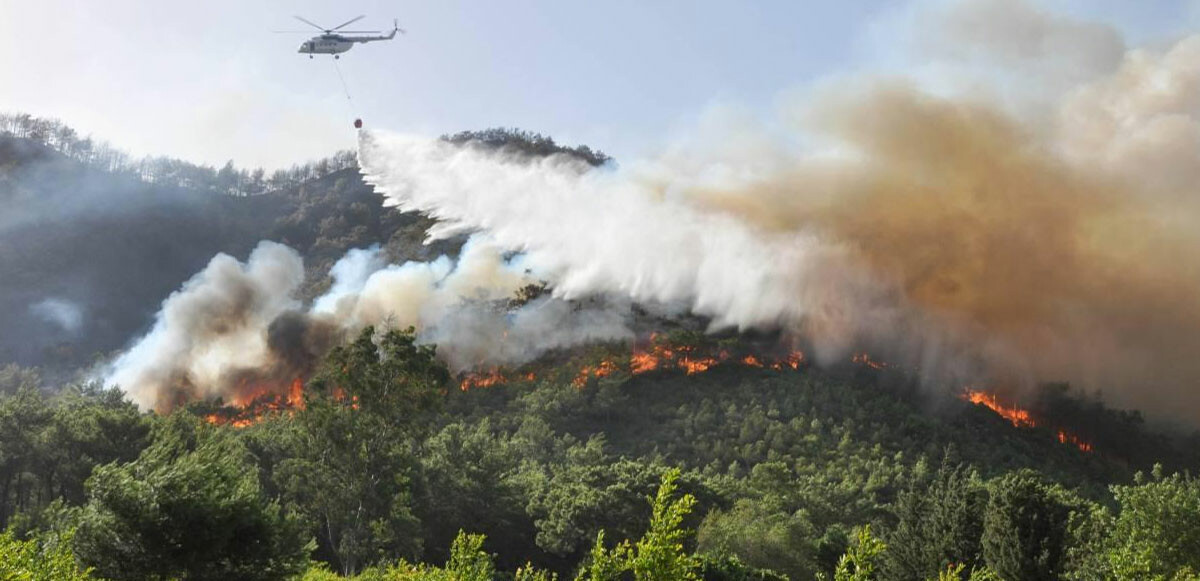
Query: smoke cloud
column 64, row 314
column 948, row 233
column 945, row 233
column 237, row 331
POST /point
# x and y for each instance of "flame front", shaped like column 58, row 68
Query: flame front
column 254, row 402
column 1019, row 417
column 654, row 355
column 1015, row 415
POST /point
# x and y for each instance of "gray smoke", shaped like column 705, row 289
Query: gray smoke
column 64, row 314
column 949, row 233
column 236, row 330
column 952, row 232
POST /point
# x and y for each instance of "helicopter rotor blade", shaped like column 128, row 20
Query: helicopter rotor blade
column 351, row 21
column 358, row 31
column 310, row 23
column 292, row 31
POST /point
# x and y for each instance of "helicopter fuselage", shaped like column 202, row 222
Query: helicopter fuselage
column 337, row 43
column 326, row 44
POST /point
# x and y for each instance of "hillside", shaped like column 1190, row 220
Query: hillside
column 108, row 247
column 381, row 464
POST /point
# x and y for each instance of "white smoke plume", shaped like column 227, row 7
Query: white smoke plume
column 944, row 232
column 64, row 314
column 237, row 331
column 954, row 233
column 212, row 329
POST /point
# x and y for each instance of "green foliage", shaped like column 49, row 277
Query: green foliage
column 955, row 573
column 468, row 561
column 41, row 558
column 527, row 143
column 659, row 555
column 1024, row 528
column 386, row 466
column 762, row 535
column 352, row 453
column 861, row 559
column 939, row 527
column 14, row 378
column 1156, row 535
column 48, row 448
column 471, row 477
column 189, row 507
column 730, row 568
column 590, row 492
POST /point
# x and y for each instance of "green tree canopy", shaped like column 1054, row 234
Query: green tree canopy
column 190, row 507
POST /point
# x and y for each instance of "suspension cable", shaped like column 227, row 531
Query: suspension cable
column 342, row 79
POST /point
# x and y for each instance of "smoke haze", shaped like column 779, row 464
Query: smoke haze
column 958, row 234
column 943, row 232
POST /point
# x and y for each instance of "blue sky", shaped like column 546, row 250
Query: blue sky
column 208, row 81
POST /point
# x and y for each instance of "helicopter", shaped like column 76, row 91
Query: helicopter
column 335, row 40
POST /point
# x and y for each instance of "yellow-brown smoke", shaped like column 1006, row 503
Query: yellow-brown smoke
column 1072, row 269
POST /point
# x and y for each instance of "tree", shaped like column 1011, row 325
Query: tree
column 14, row 378
column 354, row 448
column 762, row 535
column 659, row 555
column 1156, row 535
column 590, row 492
column 41, row 558
column 472, row 478
column 861, row 559
column 730, row 568
column 189, row 507
column 939, row 525
column 24, row 419
column 1024, row 528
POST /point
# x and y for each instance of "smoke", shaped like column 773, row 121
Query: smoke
column 211, row 332
column 64, row 314
column 944, row 232
column 1021, row 36
column 951, row 233
column 237, row 331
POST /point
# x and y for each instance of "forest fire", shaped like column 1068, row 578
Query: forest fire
column 492, row 377
column 654, row 355
column 1069, row 438
column 250, row 406
column 865, row 359
column 1015, row 415
column 603, row 369
column 1020, row 418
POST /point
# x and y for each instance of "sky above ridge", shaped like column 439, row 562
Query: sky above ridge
column 209, row 81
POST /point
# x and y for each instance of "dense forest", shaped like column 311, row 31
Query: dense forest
column 586, row 464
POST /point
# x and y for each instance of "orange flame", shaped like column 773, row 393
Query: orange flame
column 489, row 378
column 1020, row 417
column 252, row 402
column 1069, row 438
column 655, row 355
column 603, row 369
column 1015, row 415
column 865, row 359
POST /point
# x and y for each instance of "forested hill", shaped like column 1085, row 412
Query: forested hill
column 88, row 254
column 590, row 463
column 92, row 241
